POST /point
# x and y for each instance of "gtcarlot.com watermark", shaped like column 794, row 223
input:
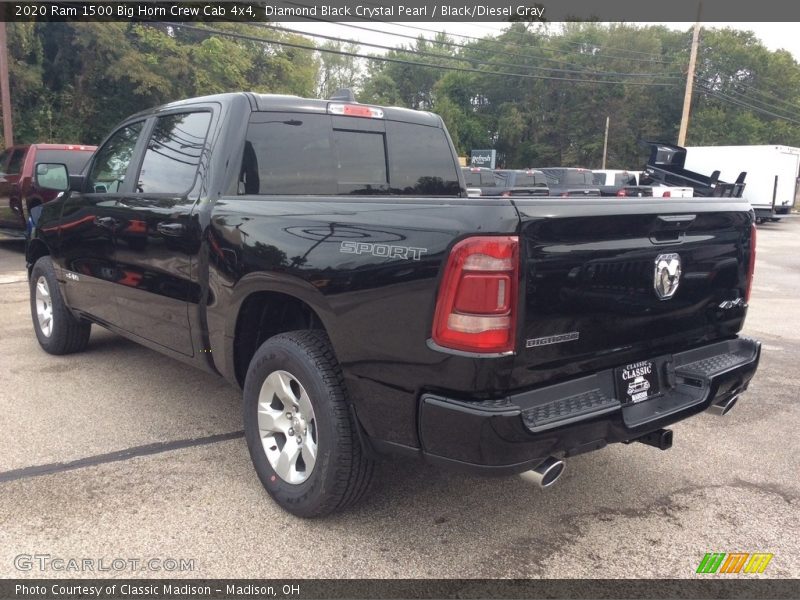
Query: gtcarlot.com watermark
column 63, row 564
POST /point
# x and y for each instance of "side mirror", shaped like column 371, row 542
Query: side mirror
column 52, row 176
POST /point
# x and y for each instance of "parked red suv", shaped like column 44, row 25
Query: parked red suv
column 18, row 192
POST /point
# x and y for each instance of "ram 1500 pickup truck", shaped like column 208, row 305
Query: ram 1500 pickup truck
column 323, row 255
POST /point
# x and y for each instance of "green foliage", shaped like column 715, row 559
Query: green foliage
column 72, row 82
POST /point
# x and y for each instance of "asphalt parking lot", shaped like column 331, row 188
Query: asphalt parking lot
column 728, row 484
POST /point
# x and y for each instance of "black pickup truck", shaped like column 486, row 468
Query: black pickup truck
column 324, row 256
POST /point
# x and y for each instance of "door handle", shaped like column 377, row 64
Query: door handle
column 171, row 229
column 106, row 222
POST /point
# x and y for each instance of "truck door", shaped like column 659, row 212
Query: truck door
column 89, row 222
column 158, row 237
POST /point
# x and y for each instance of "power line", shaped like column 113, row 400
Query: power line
column 757, row 101
column 793, row 105
column 742, row 104
column 484, row 40
column 462, row 59
column 597, row 46
column 582, row 69
column 513, row 33
column 253, row 38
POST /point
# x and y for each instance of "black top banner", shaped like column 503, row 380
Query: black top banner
column 407, row 10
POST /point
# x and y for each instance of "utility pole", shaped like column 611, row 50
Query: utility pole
column 5, row 93
column 687, row 97
column 605, row 143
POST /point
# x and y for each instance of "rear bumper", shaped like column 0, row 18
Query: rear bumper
column 517, row 433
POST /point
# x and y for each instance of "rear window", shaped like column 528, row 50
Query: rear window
column 577, row 178
column 479, row 178
column 420, row 161
column 311, row 154
column 621, row 179
column 503, row 178
column 472, row 179
column 74, row 159
column 530, row 180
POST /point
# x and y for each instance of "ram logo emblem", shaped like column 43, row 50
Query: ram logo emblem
column 667, row 275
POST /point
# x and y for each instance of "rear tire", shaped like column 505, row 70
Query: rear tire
column 57, row 329
column 300, row 432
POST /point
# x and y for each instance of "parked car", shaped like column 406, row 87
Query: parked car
column 18, row 190
column 569, row 182
column 323, row 255
column 506, row 182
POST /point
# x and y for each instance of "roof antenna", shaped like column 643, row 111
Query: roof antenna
column 343, row 95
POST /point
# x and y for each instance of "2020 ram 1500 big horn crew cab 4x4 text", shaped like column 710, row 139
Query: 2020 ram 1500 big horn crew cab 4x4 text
column 323, row 255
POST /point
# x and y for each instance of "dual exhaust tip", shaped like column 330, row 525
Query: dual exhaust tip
column 723, row 407
column 547, row 473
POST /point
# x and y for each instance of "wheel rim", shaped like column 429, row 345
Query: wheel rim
column 44, row 307
column 287, row 427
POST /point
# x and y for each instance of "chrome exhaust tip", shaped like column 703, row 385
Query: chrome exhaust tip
column 547, row 473
column 723, row 407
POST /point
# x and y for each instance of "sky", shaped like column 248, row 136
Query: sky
column 773, row 35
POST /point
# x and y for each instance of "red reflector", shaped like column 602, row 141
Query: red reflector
column 476, row 306
column 751, row 266
column 622, row 193
column 483, row 294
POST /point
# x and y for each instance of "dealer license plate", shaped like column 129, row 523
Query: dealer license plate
column 637, row 381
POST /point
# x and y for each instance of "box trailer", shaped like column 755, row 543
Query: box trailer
column 773, row 174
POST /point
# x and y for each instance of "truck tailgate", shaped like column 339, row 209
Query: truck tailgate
column 591, row 298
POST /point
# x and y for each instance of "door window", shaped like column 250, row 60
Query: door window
column 173, row 153
column 112, row 161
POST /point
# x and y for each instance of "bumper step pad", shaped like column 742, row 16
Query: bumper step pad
column 566, row 410
column 709, row 367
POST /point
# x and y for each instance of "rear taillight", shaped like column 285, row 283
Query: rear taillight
column 751, row 266
column 476, row 307
column 667, row 194
column 506, row 194
column 622, row 193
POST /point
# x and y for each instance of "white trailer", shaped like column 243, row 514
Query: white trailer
column 772, row 185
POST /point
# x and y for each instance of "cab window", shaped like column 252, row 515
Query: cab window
column 113, row 159
column 173, row 153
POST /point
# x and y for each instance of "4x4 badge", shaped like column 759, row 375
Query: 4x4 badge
column 667, row 275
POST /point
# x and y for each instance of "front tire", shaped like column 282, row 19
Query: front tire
column 57, row 329
column 300, row 432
